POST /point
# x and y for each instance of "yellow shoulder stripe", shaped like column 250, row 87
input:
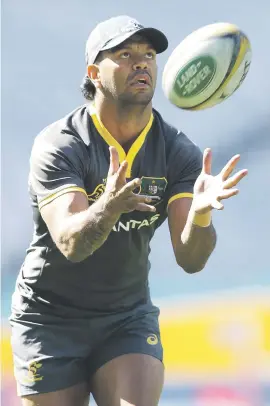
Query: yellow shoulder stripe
column 61, row 192
column 179, row 196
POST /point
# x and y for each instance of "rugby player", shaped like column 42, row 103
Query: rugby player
column 102, row 180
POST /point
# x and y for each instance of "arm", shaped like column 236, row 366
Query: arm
column 79, row 230
column 192, row 233
column 192, row 244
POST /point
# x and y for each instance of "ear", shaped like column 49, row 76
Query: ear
column 94, row 74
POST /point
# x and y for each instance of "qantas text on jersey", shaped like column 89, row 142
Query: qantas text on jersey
column 135, row 224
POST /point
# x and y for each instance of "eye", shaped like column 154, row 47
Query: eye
column 150, row 55
column 125, row 55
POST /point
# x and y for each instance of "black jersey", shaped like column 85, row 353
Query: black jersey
column 73, row 154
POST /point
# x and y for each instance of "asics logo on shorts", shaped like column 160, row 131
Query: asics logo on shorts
column 152, row 339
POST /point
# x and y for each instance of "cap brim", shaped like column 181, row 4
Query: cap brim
column 155, row 37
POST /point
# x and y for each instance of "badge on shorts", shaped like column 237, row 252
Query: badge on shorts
column 153, row 186
column 33, row 372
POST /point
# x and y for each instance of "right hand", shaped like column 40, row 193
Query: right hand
column 121, row 193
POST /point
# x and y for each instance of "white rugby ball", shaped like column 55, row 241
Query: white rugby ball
column 207, row 67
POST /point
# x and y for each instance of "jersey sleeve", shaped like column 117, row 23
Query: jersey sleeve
column 58, row 164
column 185, row 165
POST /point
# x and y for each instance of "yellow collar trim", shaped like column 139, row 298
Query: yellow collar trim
column 134, row 149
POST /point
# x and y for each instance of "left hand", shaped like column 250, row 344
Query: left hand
column 209, row 190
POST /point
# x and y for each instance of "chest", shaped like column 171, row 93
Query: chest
column 148, row 163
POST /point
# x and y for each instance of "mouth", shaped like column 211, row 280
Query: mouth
column 141, row 80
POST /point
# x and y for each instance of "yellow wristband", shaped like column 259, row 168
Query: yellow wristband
column 202, row 220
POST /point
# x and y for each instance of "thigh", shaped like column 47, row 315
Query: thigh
column 49, row 353
column 131, row 332
column 77, row 395
column 128, row 380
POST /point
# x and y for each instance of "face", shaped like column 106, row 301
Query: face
column 127, row 73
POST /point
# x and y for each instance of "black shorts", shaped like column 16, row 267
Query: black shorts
column 52, row 352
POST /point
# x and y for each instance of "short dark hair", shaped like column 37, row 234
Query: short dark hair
column 88, row 88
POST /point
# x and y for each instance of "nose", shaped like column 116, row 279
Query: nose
column 140, row 65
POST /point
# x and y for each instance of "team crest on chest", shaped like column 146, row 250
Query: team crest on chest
column 153, row 186
column 149, row 186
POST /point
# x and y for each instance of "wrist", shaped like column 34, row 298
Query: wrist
column 110, row 204
column 201, row 219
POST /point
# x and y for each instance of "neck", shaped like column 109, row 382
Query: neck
column 124, row 123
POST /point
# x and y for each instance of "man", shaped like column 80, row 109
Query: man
column 102, row 179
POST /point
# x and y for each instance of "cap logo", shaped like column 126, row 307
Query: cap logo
column 132, row 25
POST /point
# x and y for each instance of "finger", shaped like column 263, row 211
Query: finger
column 145, row 207
column 226, row 194
column 121, row 173
column 131, row 185
column 229, row 167
column 114, row 161
column 145, row 199
column 150, row 198
column 217, row 205
column 233, row 180
column 207, row 161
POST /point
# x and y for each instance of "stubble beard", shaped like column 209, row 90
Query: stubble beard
column 129, row 100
